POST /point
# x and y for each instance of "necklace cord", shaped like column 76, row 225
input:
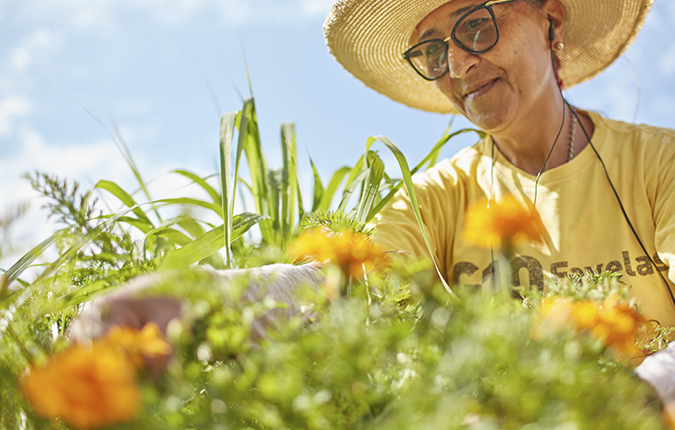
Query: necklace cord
column 604, row 167
column 492, row 196
column 623, row 210
column 562, row 124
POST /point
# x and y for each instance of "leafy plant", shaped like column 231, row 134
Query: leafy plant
column 391, row 350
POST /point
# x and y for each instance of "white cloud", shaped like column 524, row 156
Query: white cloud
column 240, row 13
column 39, row 42
column 12, row 108
column 86, row 163
column 72, row 161
column 316, row 7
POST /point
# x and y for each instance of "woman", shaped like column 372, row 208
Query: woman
column 503, row 64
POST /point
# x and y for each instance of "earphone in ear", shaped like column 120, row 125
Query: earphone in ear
column 551, row 30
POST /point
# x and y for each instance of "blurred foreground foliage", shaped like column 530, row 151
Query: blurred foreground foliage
column 391, row 350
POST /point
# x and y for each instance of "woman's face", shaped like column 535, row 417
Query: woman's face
column 496, row 89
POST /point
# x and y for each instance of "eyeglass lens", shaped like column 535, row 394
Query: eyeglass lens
column 430, row 58
column 475, row 33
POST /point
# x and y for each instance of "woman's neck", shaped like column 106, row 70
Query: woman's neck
column 528, row 146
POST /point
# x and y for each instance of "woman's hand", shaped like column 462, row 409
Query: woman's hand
column 127, row 307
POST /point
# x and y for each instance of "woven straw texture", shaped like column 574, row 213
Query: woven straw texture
column 368, row 38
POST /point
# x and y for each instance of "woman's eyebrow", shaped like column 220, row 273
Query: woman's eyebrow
column 461, row 11
column 427, row 34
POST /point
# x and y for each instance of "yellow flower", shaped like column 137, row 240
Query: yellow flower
column 619, row 326
column 348, row 251
column 586, row 315
column 138, row 345
column 615, row 323
column 501, row 224
column 555, row 314
column 86, row 387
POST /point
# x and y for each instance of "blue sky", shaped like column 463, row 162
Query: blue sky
column 155, row 67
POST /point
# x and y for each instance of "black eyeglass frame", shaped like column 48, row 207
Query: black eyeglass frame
column 487, row 6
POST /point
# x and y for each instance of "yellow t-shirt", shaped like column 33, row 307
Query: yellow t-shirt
column 585, row 227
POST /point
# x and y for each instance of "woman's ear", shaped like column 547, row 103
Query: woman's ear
column 554, row 12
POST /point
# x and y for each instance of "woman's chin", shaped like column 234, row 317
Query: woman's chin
column 491, row 122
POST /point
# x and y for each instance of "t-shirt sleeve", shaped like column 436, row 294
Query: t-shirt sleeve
column 664, row 201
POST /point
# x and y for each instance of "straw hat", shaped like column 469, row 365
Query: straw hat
column 368, row 38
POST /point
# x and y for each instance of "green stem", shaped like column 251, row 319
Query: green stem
column 4, row 285
column 24, row 351
column 366, row 284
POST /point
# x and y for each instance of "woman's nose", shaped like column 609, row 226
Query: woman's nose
column 460, row 62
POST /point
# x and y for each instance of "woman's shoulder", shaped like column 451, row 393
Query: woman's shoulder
column 636, row 133
column 643, row 149
column 466, row 163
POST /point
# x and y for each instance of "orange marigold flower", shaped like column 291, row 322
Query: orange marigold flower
column 86, row 387
column 585, row 315
column 556, row 313
column 501, row 224
column 138, row 345
column 619, row 326
column 615, row 323
column 348, row 251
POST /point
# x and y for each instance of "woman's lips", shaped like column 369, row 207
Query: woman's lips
column 480, row 90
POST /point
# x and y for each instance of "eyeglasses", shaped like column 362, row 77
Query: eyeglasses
column 475, row 32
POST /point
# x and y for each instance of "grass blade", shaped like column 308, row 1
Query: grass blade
column 124, row 197
column 173, row 235
column 15, row 271
column 289, row 180
column 190, row 225
column 227, row 126
column 301, row 209
column 274, row 204
column 431, row 156
column 122, row 145
column 371, row 186
column 28, row 258
column 141, row 225
column 202, row 183
column 249, row 141
column 243, row 223
column 356, row 171
column 123, row 148
column 331, row 189
column 318, row 187
column 349, row 191
column 188, row 201
column 407, row 180
column 208, row 244
column 204, row 246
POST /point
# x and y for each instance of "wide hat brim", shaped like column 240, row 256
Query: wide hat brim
column 368, row 38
